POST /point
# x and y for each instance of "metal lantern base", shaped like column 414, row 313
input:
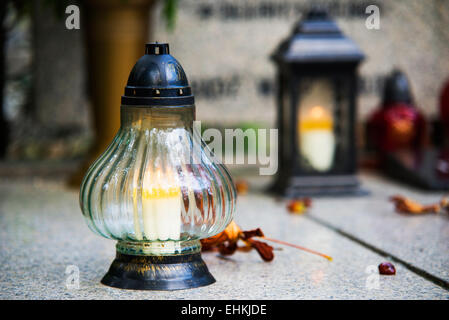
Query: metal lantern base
column 158, row 272
column 314, row 186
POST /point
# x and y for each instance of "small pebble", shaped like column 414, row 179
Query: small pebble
column 387, row 268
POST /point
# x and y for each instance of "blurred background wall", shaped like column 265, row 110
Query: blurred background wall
column 224, row 46
column 45, row 102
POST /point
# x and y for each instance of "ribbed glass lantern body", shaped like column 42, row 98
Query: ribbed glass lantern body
column 156, row 189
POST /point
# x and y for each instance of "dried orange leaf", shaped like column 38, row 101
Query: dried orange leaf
column 227, row 248
column 252, row 233
column 242, row 187
column 406, row 205
column 226, row 242
column 231, row 234
column 232, row 231
column 299, row 206
column 265, row 250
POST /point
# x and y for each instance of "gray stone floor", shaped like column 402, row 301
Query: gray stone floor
column 42, row 232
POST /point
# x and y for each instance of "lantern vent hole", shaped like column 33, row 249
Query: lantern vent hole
column 157, row 48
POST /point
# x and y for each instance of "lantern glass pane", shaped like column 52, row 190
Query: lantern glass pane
column 316, row 136
column 157, row 182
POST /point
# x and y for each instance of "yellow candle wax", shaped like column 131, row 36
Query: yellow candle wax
column 316, row 138
column 161, row 211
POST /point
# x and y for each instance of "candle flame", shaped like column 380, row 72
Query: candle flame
column 317, row 112
column 316, row 118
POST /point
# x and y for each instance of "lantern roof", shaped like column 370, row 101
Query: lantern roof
column 157, row 78
column 317, row 38
column 397, row 89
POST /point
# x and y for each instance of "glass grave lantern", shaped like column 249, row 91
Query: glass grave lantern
column 156, row 188
column 316, row 78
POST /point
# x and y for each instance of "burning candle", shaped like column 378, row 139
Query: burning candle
column 161, row 208
column 161, row 211
column 316, row 138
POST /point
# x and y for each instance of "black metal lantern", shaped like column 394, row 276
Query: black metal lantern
column 317, row 74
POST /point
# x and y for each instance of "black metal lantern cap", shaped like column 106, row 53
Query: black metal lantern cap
column 317, row 38
column 157, row 79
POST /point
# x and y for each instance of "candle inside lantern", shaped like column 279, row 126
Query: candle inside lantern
column 316, row 137
column 161, row 208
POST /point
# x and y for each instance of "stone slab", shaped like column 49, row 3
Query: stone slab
column 43, row 232
column 421, row 240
